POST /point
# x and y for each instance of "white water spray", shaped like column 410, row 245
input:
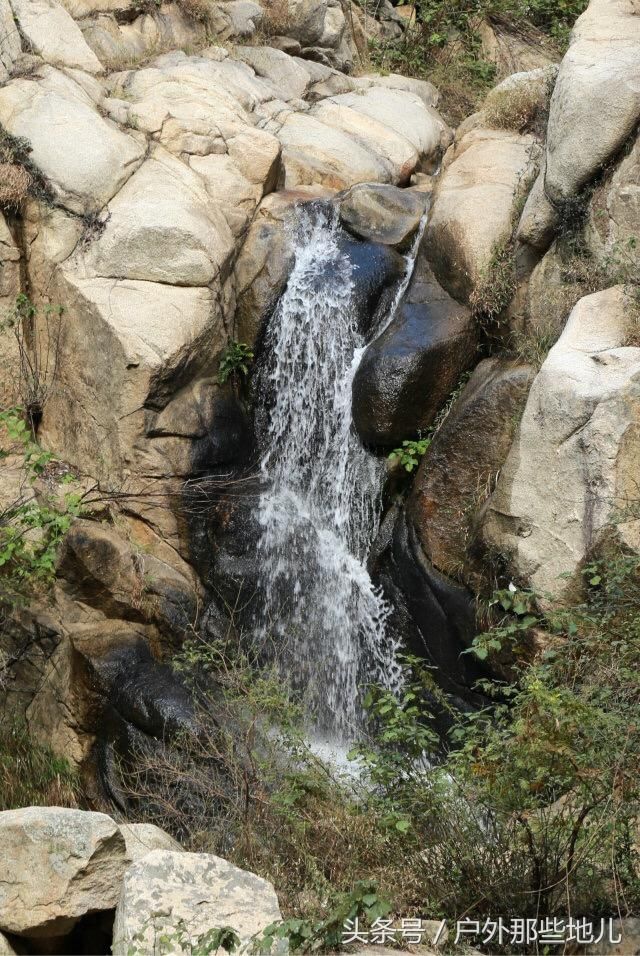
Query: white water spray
column 319, row 509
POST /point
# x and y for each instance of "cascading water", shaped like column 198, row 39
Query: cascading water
column 323, row 618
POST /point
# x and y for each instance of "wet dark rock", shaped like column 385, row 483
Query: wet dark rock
column 224, row 535
column 433, row 616
column 407, row 373
column 145, row 704
column 456, row 475
column 145, row 693
column 376, row 271
column 228, row 441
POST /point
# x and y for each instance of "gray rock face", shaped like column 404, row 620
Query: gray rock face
column 407, row 373
column 474, row 202
column 202, row 890
column 10, row 44
column 54, row 112
column 614, row 213
column 52, row 33
column 58, row 865
column 596, row 101
column 383, row 214
column 6, row 947
column 573, row 467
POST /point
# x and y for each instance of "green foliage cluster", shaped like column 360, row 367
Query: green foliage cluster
column 37, row 331
column 445, row 20
column 325, row 935
column 31, row 526
column 175, row 936
column 409, row 455
column 235, row 360
column 251, row 789
column 31, row 774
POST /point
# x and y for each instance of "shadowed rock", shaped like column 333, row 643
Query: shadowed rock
column 407, row 373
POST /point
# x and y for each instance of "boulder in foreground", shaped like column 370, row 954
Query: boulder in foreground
column 58, row 865
column 203, row 891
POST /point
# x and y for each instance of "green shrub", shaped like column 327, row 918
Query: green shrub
column 234, row 363
column 31, row 528
column 409, row 455
column 443, row 45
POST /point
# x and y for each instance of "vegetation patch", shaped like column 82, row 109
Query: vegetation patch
column 496, row 286
column 443, row 44
column 276, row 19
column 527, row 809
column 522, row 108
column 19, row 176
column 31, row 774
column 234, row 363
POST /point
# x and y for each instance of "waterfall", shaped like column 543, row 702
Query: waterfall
column 323, row 620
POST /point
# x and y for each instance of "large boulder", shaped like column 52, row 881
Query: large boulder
column 378, row 134
column 84, row 157
column 287, row 76
column 540, row 218
column 165, row 890
column 120, row 41
column 572, row 471
column 596, row 102
column 457, row 474
column 103, row 700
column 511, row 51
column 162, row 227
column 53, row 34
column 316, row 152
column 614, row 211
column 484, row 176
column 404, row 112
column 152, row 338
column 58, row 866
column 383, row 214
column 406, row 374
column 100, row 568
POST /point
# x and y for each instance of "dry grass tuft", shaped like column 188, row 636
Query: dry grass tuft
column 15, row 183
column 496, row 286
column 199, row 10
column 277, row 18
column 514, row 109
